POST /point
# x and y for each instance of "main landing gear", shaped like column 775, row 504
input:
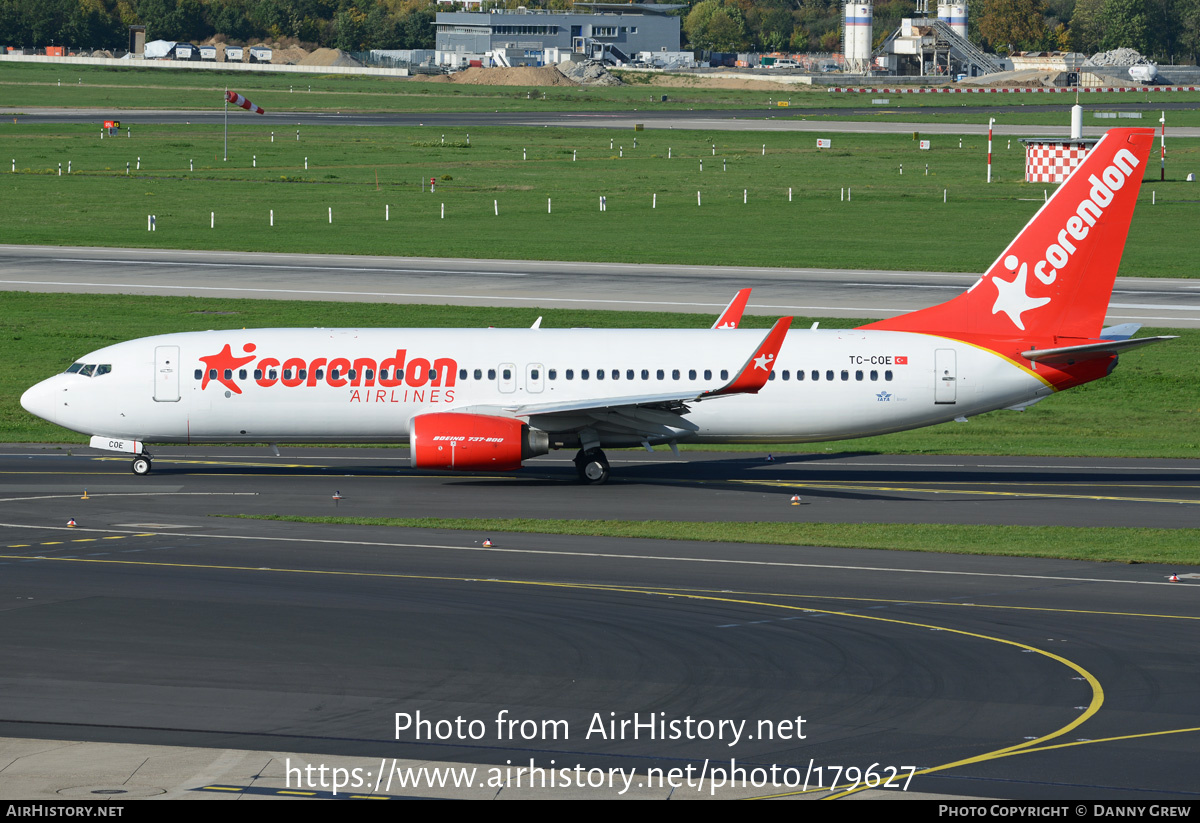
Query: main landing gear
column 141, row 464
column 592, row 466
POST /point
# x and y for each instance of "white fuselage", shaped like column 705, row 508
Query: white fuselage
column 855, row 383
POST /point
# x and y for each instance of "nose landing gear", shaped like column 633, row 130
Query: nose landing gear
column 141, row 465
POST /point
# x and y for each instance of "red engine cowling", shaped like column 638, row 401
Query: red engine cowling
column 453, row 440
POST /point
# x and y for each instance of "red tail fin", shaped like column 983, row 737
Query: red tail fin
column 1055, row 279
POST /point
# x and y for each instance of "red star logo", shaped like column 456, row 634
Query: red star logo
column 223, row 360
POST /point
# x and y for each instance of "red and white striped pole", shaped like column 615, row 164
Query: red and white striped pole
column 1162, row 170
column 991, row 122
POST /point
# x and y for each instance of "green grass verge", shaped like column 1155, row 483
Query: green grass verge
column 31, row 85
column 889, row 221
column 1119, row 545
column 1148, row 407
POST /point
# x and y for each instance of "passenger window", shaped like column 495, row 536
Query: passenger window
column 506, row 374
column 708, row 374
column 874, row 375
column 829, row 374
column 320, row 374
column 462, row 374
column 674, row 374
column 645, row 374
column 845, row 374
column 352, row 374
column 370, row 374
column 212, row 374
column 383, row 374
column 533, row 374
column 433, row 374
column 334, row 374
column 257, row 374
column 302, row 373
column 771, row 376
column 242, row 374
column 570, row 374
column 799, row 375
column 691, row 374
column 629, row 374
column 599, row 374
column 858, row 375
column 661, row 374
column 552, row 374
column 273, row 374
column 816, row 375
column 724, row 374
column 199, row 374
column 887, row 375
column 479, row 374
column 491, row 374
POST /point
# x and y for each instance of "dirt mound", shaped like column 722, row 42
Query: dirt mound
column 710, row 82
column 516, row 76
column 288, row 55
column 328, row 57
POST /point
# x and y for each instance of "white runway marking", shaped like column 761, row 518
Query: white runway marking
column 607, row 556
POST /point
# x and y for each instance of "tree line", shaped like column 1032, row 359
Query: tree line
column 1166, row 30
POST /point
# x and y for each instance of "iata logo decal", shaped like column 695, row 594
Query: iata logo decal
column 418, row 380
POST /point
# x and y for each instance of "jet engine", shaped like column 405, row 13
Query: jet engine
column 455, row 440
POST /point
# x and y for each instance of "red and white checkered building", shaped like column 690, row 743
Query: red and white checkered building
column 1051, row 160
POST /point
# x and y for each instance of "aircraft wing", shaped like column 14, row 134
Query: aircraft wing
column 657, row 414
column 1067, row 355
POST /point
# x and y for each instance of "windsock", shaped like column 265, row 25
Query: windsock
column 238, row 100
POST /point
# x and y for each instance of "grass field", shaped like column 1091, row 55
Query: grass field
column 35, row 85
column 1114, row 545
column 889, row 220
column 1148, row 407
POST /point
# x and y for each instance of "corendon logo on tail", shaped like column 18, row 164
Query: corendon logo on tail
column 1012, row 296
column 360, row 374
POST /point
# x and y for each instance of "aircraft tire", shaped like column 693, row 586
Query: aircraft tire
column 593, row 467
column 141, row 466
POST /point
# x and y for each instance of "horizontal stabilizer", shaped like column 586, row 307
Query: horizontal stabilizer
column 1123, row 331
column 1090, row 351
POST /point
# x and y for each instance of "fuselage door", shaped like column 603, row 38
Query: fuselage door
column 945, row 388
column 166, row 374
column 506, row 378
column 535, row 376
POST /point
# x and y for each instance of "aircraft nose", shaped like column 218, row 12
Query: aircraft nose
column 39, row 400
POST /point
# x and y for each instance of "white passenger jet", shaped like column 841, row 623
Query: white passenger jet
column 488, row 399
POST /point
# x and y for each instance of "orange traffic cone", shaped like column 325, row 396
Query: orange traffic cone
column 795, row 500
column 487, row 543
column 71, row 523
column 1174, row 578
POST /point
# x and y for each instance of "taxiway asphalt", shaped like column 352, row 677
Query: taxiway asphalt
column 154, row 623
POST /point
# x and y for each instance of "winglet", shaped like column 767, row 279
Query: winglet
column 732, row 315
column 756, row 371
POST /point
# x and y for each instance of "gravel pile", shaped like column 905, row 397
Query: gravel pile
column 1116, row 57
column 589, row 73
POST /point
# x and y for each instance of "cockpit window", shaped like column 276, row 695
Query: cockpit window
column 87, row 370
column 103, row 368
column 74, row 367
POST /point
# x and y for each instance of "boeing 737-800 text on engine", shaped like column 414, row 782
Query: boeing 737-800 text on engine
column 488, row 399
